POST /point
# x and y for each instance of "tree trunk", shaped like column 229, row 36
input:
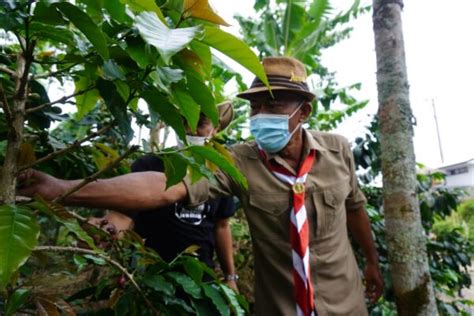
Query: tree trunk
column 406, row 240
column 15, row 133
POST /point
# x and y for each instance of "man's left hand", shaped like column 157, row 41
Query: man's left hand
column 233, row 285
column 373, row 282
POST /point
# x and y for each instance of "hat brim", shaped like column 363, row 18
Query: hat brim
column 247, row 95
column 226, row 114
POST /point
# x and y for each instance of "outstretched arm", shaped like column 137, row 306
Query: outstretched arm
column 130, row 192
column 359, row 226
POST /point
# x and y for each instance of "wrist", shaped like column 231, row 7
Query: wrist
column 231, row 277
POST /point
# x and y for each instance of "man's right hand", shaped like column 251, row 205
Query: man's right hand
column 32, row 182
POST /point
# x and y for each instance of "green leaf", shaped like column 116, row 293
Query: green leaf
column 204, row 307
column 175, row 168
column 167, row 41
column 201, row 94
column 96, row 260
column 232, row 299
column 116, row 10
column 158, row 283
column 9, row 22
column 161, row 108
column 188, row 284
column 189, row 108
column 185, row 309
column 46, row 13
column 87, row 101
column 123, row 89
column 85, row 24
column 236, row 49
column 216, row 297
column 56, row 33
column 213, row 156
column 165, row 76
column 80, row 262
column 176, row 5
column 317, row 9
column 293, row 21
column 73, row 227
column 194, row 268
column 19, row 232
column 117, row 107
column 204, row 53
column 16, row 301
column 144, row 5
column 112, row 71
column 270, row 29
column 142, row 53
column 260, row 4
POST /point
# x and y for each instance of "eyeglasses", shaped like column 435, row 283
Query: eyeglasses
column 274, row 103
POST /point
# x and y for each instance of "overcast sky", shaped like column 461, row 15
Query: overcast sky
column 440, row 60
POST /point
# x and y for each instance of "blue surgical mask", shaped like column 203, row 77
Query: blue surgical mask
column 271, row 131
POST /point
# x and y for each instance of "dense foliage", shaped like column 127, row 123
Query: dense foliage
column 114, row 62
column 74, row 75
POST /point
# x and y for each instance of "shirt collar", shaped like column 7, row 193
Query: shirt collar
column 309, row 143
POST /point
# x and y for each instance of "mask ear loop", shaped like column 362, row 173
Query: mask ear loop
column 290, row 116
column 297, row 109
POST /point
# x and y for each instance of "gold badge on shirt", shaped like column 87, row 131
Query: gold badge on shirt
column 298, row 188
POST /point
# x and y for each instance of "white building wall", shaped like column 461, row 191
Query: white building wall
column 460, row 180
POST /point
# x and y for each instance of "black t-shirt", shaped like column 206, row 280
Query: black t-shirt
column 172, row 229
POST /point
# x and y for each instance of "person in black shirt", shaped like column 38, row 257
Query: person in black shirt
column 172, row 229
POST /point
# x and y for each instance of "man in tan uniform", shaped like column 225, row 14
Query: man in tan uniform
column 333, row 202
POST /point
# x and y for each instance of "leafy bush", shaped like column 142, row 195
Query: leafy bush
column 104, row 58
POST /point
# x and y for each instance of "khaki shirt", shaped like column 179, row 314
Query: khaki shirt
column 331, row 191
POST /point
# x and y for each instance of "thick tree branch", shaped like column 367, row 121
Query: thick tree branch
column 96, row 175
column 74, row 145
column 61, row 100
column 23, row 82
column 5, row 105
column 111, row 261
column 8, row 174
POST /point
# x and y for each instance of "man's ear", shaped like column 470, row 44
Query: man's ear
column 306, row 110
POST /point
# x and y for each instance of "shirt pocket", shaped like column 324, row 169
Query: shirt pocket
column 268, row 216
column 330, row 208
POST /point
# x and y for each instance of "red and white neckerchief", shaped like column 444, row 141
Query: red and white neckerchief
column 299, row 231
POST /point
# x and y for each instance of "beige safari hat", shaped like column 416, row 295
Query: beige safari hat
column 284, row 74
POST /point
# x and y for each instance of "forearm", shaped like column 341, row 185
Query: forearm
column 224, row 250
column 130, row 192
column 359, row 226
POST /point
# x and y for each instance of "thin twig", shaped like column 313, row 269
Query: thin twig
column 54, row 73
column 74, row 145
column 7, row 71
column 96, row 175
column 5, row 105
column 111, row 261
column 55, row 206
column 61, row 100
